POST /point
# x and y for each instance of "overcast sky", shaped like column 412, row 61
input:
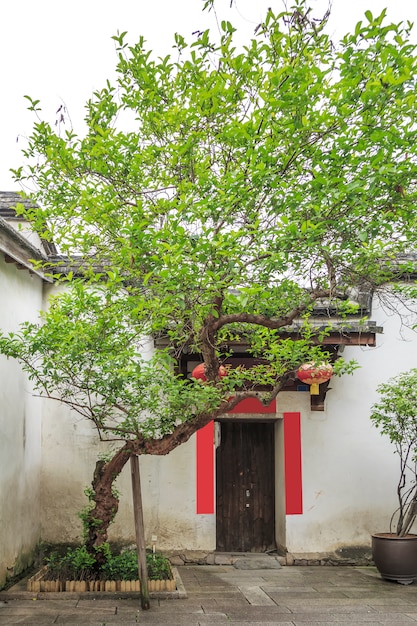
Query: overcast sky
column 61, row 52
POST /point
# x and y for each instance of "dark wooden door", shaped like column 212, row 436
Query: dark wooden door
column 245, row 486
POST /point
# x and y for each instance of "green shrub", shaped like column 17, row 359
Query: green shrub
column 123, row 566
column 78, row 564
column 159, row 567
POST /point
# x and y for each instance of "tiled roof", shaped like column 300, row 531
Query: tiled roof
column 19, row 239
column 9, row 199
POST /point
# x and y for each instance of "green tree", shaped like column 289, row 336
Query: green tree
column 251, row 184
column 395, row 415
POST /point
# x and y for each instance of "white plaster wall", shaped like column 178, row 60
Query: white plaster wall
column 71, row 449
column 20, row 428
column 349, row 469
column 169, row 493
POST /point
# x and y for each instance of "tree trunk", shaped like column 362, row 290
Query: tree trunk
column 98, row 520
column 106, row 502
column 409, row 518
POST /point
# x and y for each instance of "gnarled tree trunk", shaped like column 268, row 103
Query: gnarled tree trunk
column 106, row 502
column 106, row 505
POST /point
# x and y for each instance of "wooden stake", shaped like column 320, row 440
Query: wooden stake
column 140, row 531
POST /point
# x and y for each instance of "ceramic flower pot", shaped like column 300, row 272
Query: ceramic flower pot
column 395, row 557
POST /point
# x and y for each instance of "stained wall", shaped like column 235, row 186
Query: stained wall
column 20, row 429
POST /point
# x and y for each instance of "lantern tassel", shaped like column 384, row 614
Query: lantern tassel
column 314, row 389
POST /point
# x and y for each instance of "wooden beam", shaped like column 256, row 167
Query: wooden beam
column 342, row 337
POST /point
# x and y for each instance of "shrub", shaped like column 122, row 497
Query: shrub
column 78, row 564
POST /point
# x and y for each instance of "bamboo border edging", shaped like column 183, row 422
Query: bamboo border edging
column 36, row 584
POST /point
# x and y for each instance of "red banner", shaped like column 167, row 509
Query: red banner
column 205, row 469
column 293, row 464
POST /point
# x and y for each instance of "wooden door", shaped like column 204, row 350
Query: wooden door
column 245, row 486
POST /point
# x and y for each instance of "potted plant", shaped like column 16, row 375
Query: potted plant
column 395, row 415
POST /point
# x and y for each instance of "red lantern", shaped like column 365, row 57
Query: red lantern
column 199, row 372
column 314, row 375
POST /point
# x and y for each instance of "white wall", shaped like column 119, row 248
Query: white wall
column 168, row 485
column 349, row 469
column 20, row 428
column 70, row 450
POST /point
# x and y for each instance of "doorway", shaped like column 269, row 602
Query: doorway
column 245, row 487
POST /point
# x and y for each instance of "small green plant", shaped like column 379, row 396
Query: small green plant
column 123, row 566
column 78, row 564
column 158, row 566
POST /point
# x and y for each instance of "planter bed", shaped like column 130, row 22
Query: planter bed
column 37, row 583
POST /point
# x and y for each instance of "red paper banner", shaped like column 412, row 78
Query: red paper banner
column 293, row 464
column 205, row 469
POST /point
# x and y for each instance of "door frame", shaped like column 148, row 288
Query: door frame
column 279, row 468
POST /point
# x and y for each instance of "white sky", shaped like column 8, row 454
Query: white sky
column 61, row 52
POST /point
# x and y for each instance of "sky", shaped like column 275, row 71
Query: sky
column 60, row 53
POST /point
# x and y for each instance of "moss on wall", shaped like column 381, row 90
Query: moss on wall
column 23, row 562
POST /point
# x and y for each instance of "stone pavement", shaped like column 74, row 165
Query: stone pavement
column 222, row 594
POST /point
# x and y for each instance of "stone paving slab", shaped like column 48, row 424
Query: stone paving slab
column 237, row 600
column 224, row 595
column 34, row 618
column 257, row 563
column 325, row 607
column 115, row 621
column 255, row 595
column 358, row 618
column 348, row 620
column 406, row 603
column 306, row 596
column 260, row 611
column 291, row 596
column 33, row 603
column 262, row 623
column 163, row 607
column 266, row 619
column 393, row 609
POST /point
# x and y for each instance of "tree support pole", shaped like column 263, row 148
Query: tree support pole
column 140, row 531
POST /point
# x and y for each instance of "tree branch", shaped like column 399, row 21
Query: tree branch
column 267, row 322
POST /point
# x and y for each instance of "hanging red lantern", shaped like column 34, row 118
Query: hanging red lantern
column 199, row 372
column 314, row 374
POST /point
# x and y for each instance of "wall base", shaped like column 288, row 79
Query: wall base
column 344, row 556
